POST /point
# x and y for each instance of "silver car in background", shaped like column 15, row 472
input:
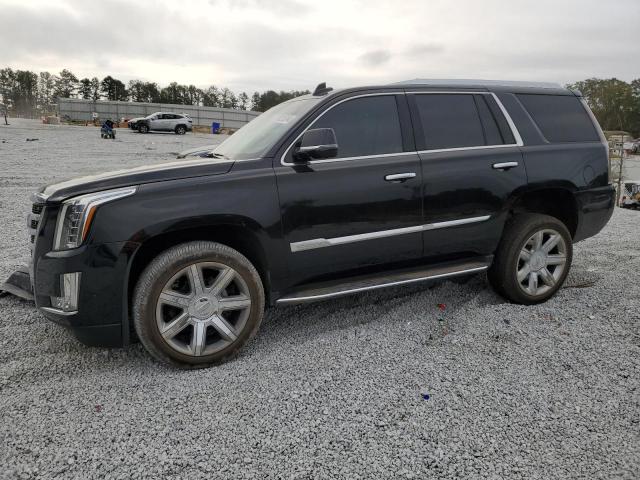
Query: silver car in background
column 179, row 123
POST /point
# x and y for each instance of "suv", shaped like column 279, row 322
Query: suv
column 165, row 122
column 325, row 195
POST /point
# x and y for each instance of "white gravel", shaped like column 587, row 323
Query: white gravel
column 330, row 390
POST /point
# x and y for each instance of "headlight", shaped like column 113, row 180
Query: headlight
column 76, row 215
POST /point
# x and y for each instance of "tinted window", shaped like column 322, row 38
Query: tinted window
column 560, row 118
column 503, row 125
column 364, row 126
column 450, row 121
column 492, row 133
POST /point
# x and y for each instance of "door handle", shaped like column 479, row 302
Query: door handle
column 399, row 177
column 504, row 165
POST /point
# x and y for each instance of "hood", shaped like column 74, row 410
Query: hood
column 135, row 176
column 202, row 151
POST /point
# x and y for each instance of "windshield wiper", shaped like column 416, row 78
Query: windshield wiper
column 219, row 155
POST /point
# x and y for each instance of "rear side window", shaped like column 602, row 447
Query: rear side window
column 496, row 128
column 560, row 118
column 364, row 126
column 450, row 121
column 492, row 133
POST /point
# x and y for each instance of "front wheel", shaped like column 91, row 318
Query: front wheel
column 143, row 129
column 197, row 304
column 532, row 260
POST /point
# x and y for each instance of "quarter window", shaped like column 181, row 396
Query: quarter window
column 561, row 118
column 364, row 126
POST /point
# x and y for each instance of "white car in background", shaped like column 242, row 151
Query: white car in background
column 179, row 123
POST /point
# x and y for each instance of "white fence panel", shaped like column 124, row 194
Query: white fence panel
column 77, row 109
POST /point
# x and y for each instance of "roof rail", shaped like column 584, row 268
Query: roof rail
column 469, row 82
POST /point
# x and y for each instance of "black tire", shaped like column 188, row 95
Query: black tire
column 162, row 269
column 143, row 128
column 503, row 272
column 181, row 130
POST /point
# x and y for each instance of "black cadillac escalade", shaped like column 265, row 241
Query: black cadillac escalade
column 328, row 194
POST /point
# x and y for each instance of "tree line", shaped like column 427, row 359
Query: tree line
column 27, row 93
column 615, row 103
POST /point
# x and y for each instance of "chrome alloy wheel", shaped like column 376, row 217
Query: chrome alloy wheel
column 203, row 308
column 541, row 262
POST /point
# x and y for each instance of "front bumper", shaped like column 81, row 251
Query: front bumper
column 595, row 207
column 101, row 318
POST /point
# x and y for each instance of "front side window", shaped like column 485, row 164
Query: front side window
column 450, row 121
column 364, row 126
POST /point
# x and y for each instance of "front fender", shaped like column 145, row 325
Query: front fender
column 245, row 197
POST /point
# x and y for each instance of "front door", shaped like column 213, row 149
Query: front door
column 472, row 166
column 361, row 208
column 155, row 122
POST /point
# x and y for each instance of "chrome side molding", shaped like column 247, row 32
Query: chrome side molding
column 331, row 242
column 455, row 223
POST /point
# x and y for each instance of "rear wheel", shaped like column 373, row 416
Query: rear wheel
column 197, row 304
column 532, row 260
column 181, row 130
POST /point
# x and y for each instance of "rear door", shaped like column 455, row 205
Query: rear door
column 353, row 211
column 471, row 164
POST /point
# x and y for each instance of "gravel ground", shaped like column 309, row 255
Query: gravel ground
column 378, row 385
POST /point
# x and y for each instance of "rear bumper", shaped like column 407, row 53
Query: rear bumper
column 595, row 207
column 101, row 318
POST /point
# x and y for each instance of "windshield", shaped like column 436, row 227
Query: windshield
column 255, row 138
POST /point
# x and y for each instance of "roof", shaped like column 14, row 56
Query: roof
column 509, row 86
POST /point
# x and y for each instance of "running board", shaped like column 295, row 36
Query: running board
column 385, row 279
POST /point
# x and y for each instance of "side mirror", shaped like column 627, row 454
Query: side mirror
column 318, row 143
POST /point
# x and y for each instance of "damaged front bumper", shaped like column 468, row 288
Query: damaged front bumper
column 18, row 284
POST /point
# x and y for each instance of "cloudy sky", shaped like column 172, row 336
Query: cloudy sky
column 294, row 44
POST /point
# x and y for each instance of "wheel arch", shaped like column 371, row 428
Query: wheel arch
column 556, row 201
column 241, row 234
